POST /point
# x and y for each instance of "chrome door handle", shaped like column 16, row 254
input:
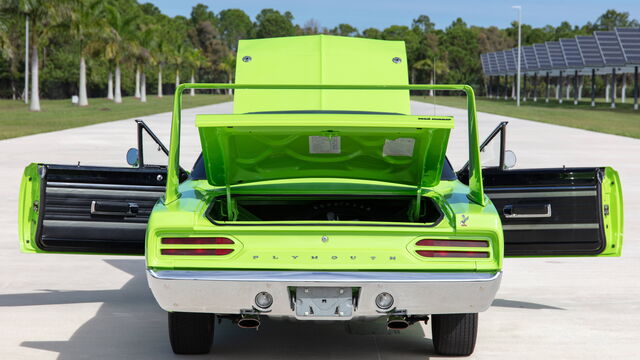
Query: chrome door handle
column 114, row 208
column 527, row 211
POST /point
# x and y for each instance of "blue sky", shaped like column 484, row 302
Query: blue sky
column 380, row 14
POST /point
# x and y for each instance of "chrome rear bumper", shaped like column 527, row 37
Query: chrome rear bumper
column 233, row 292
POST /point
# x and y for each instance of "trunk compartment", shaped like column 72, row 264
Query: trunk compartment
column 324, row 208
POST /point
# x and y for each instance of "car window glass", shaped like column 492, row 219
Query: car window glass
column 152, row 153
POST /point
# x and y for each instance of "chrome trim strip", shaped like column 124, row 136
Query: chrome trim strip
column 550, row 226
column 104, row 186
column 99, row 225
column 530, row 195
column 313, row 276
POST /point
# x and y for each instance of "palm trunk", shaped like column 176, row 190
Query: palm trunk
column 431, row 82
column 83, row 83
column 118, row 91
column 137, row 93
column 160, row 81
column 193, row 79
column 177, row 78
column 35, row 90
column 143, row 87
column 110, row 86
column 230, row 91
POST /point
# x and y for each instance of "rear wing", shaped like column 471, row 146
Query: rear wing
column 476, row 193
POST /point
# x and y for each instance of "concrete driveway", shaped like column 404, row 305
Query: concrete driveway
column 98, row 307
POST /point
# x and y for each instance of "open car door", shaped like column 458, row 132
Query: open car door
column 553, row 211
column 90, row 209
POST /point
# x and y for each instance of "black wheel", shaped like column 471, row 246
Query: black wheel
column 454, row 334
column 191, row 333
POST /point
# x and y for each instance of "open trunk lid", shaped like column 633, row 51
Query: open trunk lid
column 246, row 148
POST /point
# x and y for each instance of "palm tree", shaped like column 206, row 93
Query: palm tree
column 228, row 66
column 195, row 60
column 7, row 48
column 86, row 23
column 45, row 16
column 160, row 57
column 141, row 51
column 433, row 66
column 122, row 29
column 178, row 55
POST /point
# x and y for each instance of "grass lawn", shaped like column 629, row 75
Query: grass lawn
column 620, row 121
column 16, row 119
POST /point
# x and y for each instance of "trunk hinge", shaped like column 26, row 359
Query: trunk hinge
column 231, row 209
column 416, row 209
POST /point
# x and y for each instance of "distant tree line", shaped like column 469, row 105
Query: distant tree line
column 116, row 48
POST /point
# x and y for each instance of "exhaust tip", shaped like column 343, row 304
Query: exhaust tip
column 248, row 323
column 397, row 324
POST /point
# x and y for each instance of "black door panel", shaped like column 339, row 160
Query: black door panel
column 548, row 211
column 97, row 209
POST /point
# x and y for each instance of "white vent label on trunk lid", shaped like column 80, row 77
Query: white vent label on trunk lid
column 398, row 147
column 324, row 144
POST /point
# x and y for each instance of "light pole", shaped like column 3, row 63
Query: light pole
column 519, row 8
column 26, row 61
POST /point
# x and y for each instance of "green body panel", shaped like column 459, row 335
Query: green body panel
column 321, row 59
column 298, row 245
column 400, row 149
column 28, row 209
column 614, row 217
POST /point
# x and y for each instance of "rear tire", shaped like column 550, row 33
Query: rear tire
column 191, row 333
column 454, row 334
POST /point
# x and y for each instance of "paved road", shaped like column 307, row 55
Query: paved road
column 95, row 307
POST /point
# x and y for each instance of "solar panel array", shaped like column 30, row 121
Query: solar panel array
column 493, row 63
column 484, row 61
column 502, row 66
column 571, row 53
column 530, row 58
column 591, row 55
column 542, row 55
column 510, row 59
column 608, row 49
column 630, row 43
column 556, row 55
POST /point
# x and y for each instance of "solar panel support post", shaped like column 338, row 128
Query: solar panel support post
column 613, row 88
column 559, row 90
column 623, row 89
column 547, row 83
column 575, row 88
column 535, row 87
column 593, row 87
column 635, row 88
column 580, row 85
column 506, row 87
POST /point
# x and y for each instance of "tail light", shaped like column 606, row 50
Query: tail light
column 452, row 254
column 448, row 253
column 196, row 251
column 453, row 243
column 197, row 241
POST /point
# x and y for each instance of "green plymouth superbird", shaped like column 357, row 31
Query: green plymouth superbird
column 322, row 198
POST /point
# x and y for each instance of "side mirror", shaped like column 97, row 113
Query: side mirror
column 132, row 157
column 509, row 159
